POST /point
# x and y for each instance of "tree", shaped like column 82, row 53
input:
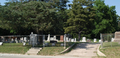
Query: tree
column 106, row 18
column 58, row 5
column 81, row 14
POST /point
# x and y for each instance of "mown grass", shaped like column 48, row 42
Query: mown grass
column 54, row 50
column 16, row 48
column 111, row 51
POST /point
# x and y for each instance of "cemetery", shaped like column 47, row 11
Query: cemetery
column 57, row 43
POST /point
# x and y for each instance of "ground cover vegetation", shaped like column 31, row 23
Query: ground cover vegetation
column 110, row 49
column 83, row 18
column 16, row 48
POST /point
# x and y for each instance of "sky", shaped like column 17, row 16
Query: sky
column 107, row 2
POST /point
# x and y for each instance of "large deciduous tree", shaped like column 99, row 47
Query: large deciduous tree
column 106, row 18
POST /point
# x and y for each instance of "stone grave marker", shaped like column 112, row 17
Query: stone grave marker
column 24, row 43
column 1, row 43
column 67, row 39
column 95, row 40
column 61, row 38
column 100, row 40
column 12, row 40
column 117, row 37
column 72, row 40
column 83, row 39
column 25, row 39
column 75, row 40
column 88, row 40
column 16, row 40
column 33, row 39
column 48, row 38
column 112, row 39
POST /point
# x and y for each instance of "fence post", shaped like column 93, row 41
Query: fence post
column 43, row 40
column 64, row 41
column 101, row 40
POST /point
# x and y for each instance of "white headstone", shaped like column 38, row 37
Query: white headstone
column 100, row 40
column 95, row 40
column 25, row 39
column 112, row 40
column 12, row 39
column 54, row 38
column 1, row 43
column 75, row 40
column 21, row 38
column 72, row 40
column 24, row 43
column 16, row 40
column 48, row 38
column 67, row 39
column 83, row 39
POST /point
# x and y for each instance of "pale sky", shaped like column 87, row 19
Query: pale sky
column 115, row 3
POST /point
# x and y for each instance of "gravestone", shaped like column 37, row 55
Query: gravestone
column 117, row 37
column 33, row 39
column 72, row 40
column 112, row 39
column 67, row 39
column 12, row 40
column 48, row 38
column 1, row 43
column 21, row 40
column 3, row 39
column 83, row 39
column 25, row 39
column 24, row 43
column 53, row 39
column 61, row 38
column 88, row 40
column 95, row 40
column 100, row 41
column 75, row 40
column 16, row 40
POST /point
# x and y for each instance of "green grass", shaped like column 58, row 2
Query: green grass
column 54, row 50
column 51, row 50
column 16, row 48
column 110, row 51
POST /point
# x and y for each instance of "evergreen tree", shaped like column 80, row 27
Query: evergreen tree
column 81, row 15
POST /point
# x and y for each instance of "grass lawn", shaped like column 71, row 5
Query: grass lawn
column 16, row 48
column 50, row 50
column 110, row 51
column 53, row 50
